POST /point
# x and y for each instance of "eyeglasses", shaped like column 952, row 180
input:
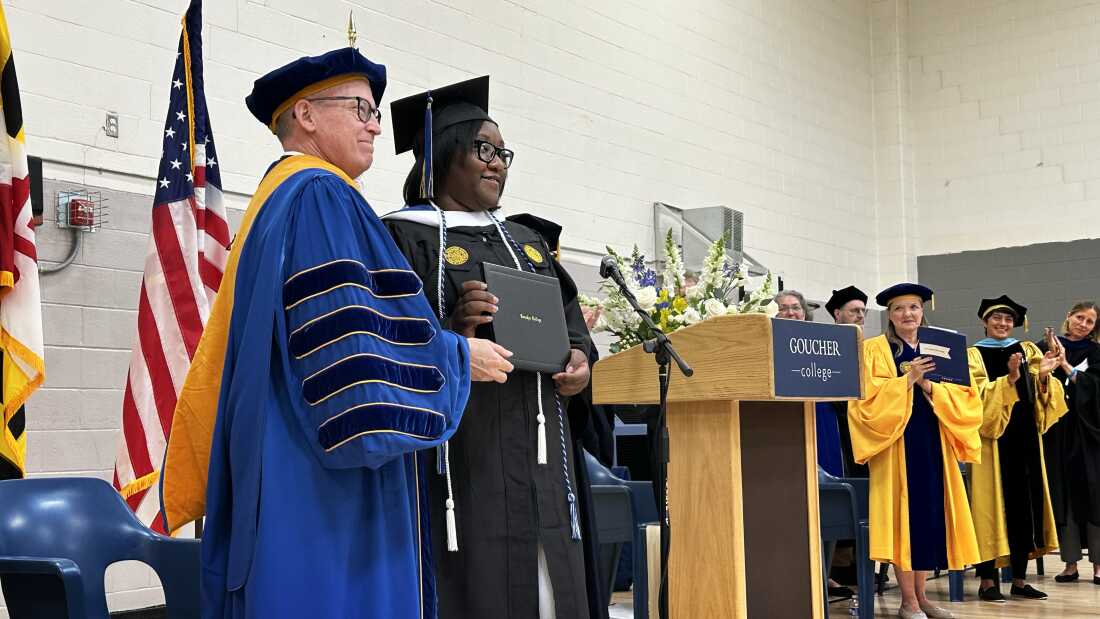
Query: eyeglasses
column 487, row 151
column 363, row 108
column 791, row 308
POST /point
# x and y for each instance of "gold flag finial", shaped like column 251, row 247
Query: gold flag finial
column 352, row 34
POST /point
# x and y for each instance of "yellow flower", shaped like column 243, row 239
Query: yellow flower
column 663, row 323
column 664, row 295
column 680, row 304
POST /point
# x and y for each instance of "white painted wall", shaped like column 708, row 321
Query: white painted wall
column 759, row 105
column 1006, row 122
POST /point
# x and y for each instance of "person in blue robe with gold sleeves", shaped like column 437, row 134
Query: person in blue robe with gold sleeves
column 336, row 373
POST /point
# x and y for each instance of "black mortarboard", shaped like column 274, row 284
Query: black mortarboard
column 450, row 105
column 842, row 297
column 275, row 92
column 905, row 288
column 1004, row 304
column 430, row 112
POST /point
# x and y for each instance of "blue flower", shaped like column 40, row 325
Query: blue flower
column 644, row 275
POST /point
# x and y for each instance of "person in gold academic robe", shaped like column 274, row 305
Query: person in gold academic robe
column 913, row 433
column 1009, row 495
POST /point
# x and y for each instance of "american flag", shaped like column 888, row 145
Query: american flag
column 188, row 248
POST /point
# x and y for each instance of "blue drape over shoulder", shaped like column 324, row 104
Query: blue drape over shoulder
column 336, row 374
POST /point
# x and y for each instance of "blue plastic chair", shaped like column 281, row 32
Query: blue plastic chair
column 614, row 526
column 59, row 535
column 644, row 507
column 841, row 519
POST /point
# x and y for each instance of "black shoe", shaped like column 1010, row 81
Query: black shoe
column 1096, row 580
column 843, row 593
column 1029, row 592
column 992, row 594
column 1067, row 577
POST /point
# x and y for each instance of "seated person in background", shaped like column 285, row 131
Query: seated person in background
column 834, row 440
column 792, row 305
column 1009, row 498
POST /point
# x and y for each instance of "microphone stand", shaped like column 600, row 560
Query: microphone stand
column 661, row 348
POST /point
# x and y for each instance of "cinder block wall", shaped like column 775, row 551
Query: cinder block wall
column 1006, row 122
column 1046, row 277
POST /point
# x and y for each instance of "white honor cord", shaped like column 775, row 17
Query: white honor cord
column 452, row 526
column 542, row 421
column 443, row 453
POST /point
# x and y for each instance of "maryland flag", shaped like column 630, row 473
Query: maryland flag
column 20, row 300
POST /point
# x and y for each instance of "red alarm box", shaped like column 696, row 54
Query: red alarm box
column 81, row 213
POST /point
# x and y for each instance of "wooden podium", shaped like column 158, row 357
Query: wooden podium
column 742, row 478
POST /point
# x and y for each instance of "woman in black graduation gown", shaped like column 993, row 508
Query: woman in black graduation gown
column 509, row 472
column 1072, row 447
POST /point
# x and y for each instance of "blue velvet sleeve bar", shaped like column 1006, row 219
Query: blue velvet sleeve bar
column 371, row 372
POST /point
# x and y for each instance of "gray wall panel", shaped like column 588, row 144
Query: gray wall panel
column 1046, row 277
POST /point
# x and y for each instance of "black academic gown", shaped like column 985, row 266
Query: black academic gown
column 1072, row 446
column 505, row 502
column 1020, row 459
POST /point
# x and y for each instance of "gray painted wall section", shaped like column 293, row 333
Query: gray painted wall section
column 1046, row 277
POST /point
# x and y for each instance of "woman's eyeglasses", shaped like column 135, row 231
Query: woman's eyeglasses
column 487, row 151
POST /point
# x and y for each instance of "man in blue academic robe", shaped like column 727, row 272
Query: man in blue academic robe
column 335, row 374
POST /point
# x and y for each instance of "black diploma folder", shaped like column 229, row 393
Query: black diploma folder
column 530, row 318
column 948, row 350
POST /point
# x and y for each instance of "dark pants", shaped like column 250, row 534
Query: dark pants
column 1018, row 561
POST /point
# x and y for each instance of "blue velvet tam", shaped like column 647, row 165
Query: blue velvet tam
column 277, row 91
column 903, row 289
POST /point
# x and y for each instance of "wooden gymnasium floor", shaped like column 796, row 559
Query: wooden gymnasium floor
column 1067, row 601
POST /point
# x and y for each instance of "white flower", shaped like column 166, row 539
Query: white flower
column 694, row 293
column 691, row 316
column 771, row 309
column 733, row 309
column 647, row 297
column 714, row 307
column 601, row 324
column 673, row 275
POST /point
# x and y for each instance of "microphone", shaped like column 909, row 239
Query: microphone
column 609, row 268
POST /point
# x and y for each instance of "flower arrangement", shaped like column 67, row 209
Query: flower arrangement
column 675, row 299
